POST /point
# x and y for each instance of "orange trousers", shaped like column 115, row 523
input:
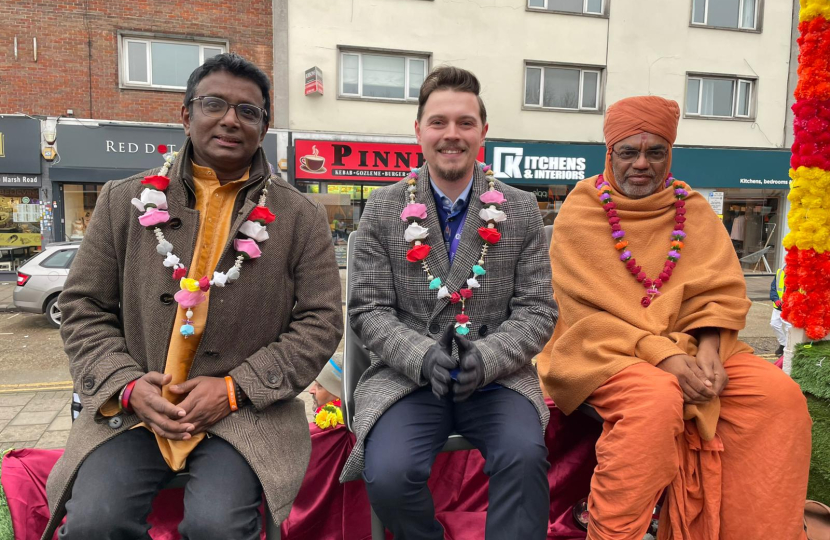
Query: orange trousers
column 748, row 483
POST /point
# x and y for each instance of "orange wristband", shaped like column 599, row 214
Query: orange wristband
column 231, row 393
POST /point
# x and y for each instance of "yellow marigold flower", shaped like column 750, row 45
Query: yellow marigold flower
column 188, row 284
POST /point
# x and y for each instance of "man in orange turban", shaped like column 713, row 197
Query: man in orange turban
column 650, row 340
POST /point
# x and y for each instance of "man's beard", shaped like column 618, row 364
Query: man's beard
column 449, row 175
column 632, row 191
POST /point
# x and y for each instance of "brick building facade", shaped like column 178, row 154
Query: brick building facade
column 79, row 65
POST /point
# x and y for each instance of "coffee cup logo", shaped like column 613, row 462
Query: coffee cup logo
column 313, row 163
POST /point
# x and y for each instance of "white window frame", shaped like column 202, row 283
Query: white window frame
column 736, row 83
column 584, row 8
column 148, row 40
column 408, row 56
column 741, row 3
column 582, row 71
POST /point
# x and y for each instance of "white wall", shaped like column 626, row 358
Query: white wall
column 650, row 50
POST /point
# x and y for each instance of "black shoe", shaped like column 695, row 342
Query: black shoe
column 779, row 351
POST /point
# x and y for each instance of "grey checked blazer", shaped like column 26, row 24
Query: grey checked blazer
column 398, row 317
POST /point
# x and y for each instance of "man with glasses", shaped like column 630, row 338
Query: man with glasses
column 208, row 385
column 651, row 298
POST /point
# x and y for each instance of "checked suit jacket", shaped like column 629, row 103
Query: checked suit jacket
column 398, row 317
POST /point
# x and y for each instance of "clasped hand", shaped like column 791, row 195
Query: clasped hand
column 206, row 403
column 438, row 365
column 701, row 378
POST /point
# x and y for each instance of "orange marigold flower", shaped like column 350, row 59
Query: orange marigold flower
column 621, row 245
column 677, row 244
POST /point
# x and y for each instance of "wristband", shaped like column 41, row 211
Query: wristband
column 124, row 401
column 231, row 393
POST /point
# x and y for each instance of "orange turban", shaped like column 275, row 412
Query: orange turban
column 635, row 115
column 641, row 114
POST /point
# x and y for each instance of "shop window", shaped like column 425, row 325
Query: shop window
column 737, row 14
column 562, row 88
column 579, row 7
column 370, row 75
column 78, row 205
column 162, row 63
column 754, row 222
column 20, row 218
column 720, row 97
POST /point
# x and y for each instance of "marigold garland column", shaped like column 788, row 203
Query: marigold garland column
column 807, row 296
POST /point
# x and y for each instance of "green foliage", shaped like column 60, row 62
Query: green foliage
column 819, row 487
column 811, row 368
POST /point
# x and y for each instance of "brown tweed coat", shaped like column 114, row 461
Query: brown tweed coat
column 512, row 314
column 272, row 330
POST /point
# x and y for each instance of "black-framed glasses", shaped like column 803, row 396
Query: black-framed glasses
column 654, row 155
column 215, row 107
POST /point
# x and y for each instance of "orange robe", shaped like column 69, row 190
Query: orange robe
column 740, row 463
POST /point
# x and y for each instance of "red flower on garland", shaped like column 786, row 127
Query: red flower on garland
column 156, row 182
column 179, row 273
column 417, row 253
column 262, row 214
column 491, row 236
column 462, row 319
column 455, row 298
column 466, row 293
column 204, row 284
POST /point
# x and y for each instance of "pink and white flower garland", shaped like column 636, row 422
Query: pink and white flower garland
column 153, row 204
column 416, row 234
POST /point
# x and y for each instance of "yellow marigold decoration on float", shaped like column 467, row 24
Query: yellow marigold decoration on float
column 810, row 9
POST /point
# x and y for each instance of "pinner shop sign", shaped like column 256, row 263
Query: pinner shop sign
column 355, row 161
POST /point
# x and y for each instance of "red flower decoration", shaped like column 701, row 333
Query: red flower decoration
column 417, row 253
column 455, row 298
column 462, row 319
column 156, row 182
column 646, row 301
column 262, row 214
column 179, row 273
column 466, row 293
column 664, row 276
column 204, row 284
column 491, row 236
column 641, row 276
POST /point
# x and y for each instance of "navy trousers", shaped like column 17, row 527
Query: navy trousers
column 504, row 425
column 116, row 484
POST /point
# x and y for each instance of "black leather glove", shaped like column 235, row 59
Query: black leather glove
column 471, row 376
column 438, row 362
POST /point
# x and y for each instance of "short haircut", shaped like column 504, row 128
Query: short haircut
column 451, row 78
column 235, row 65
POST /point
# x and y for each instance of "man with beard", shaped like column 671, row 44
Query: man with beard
column 650, row 340
column 451, row 256
column 204, row 298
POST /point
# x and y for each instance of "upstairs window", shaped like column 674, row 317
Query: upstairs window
column 163, row 64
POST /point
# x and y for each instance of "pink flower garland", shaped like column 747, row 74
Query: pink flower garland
column 153, row 204
column 652, row 286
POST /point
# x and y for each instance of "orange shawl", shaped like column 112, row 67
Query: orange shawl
column 602, row 327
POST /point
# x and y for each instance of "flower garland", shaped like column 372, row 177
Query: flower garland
column 416, row 235
column 652, row 286
column 153, row 204
column 329, row 415
column 806, row 302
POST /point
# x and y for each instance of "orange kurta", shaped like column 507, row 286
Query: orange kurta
column 748, row 482
column 740, row 469
column 215, row 204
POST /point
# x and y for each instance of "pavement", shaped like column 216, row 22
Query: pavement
column 36, row 389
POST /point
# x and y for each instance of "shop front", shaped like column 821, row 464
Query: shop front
column 91, row 154
column 746, row 188
column 21, row 209
column 342, row 174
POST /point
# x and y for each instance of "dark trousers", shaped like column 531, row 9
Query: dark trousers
column 116, row 484
column 504, row 425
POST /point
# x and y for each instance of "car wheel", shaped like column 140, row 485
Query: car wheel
column 53, row 313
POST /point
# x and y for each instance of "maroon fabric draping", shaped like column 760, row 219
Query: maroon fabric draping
column 327, row 510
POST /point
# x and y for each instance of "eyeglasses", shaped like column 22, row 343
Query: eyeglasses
column 657, row 155
column 215, row 107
